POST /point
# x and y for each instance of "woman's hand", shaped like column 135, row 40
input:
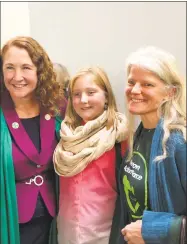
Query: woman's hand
column 132, row 233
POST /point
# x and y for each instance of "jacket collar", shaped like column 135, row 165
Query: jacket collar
column 47, row 132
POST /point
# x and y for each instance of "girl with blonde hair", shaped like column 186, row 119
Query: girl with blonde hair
column 85, row 158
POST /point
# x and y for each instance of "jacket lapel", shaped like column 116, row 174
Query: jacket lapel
column 47, row 136
column 23, row 141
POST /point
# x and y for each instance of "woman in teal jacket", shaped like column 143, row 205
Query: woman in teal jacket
column 152, row 177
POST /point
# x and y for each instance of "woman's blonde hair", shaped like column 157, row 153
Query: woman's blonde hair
column 173, row 109
column 101, row 79
column 62, row 76
column 48, row 92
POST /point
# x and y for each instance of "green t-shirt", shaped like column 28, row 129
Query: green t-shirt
column 135, row 175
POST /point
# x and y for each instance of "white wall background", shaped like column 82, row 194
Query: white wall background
column 79, row 34
column 15, row 20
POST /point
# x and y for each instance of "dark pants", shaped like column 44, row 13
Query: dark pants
column 35, row 231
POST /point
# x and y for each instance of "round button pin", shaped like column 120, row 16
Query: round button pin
column 47, row 117
column 15, row 125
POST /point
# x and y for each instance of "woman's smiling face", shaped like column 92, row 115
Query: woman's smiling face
column 20, row 74
column 145, row 92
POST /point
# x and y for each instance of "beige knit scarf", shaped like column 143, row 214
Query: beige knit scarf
column 79, row 147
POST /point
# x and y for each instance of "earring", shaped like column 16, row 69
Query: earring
column 105, row 106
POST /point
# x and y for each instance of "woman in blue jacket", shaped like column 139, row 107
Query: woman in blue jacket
column 152, row 177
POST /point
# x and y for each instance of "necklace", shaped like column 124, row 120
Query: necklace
column 148, row 130
column 142, row 136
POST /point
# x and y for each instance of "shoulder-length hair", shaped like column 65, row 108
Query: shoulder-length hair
column 101, row 79
column 173, row 109
column 48, row 91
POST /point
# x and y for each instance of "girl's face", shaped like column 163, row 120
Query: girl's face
column 88, row 98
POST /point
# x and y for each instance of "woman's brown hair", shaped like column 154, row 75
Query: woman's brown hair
column 48, row 92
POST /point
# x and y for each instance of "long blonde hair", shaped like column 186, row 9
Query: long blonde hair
column 101, row 79
column 171, row 110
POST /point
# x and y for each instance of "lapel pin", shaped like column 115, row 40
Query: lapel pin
column 47, row 117
column 15, row 125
